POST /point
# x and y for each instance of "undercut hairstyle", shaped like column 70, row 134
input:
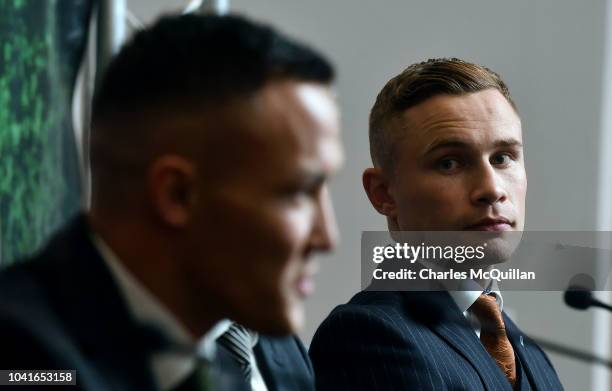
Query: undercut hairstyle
column 203, row 58
column 416, row 84
column 182, row 66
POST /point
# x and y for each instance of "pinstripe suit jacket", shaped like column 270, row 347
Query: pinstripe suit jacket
column 416, row 341
column 284, row 364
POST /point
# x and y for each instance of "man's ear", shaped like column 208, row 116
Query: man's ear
column 376, row 186
column 173, row 189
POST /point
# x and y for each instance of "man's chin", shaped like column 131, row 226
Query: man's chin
column 291, row 321
column 296, row 318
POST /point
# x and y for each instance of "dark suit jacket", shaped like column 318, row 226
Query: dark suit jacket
column 416, row 341
column 284, row 364
column 63, row 310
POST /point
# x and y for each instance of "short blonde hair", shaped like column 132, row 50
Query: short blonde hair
column 417, row 83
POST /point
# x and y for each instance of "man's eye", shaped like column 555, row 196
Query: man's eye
column 448, row 164
column 295, row 193
column 501, row 159
column 301, row 192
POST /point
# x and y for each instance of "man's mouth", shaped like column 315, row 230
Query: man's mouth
column 306, row 286
column 493, row 224
column 305, row 283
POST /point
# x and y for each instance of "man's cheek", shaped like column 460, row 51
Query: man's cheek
column 287, row 278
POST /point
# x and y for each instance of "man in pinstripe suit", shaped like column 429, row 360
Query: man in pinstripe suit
column 446, row 143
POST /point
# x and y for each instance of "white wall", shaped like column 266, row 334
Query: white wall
column 550, row 52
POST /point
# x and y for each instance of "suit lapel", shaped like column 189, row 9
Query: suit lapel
column 524, row 381
column 267, row 362
column 520, row 344
column 96, row 315
column 440, row 313
column 282, row 365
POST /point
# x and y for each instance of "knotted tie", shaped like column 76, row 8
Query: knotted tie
column 493, row 335
column 239, row 342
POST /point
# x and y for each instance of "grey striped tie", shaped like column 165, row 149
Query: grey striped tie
column 238, row 340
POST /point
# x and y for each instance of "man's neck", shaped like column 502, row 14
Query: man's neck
column 145, row 259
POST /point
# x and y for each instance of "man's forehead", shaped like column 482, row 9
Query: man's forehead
column 300, row 105
column 298, row 114
column 291, row 126
column 439, row 110
column 314, row 132
column 327, row 157
column 482, row 114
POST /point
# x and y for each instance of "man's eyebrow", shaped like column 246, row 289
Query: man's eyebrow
column 306, row 179
column 508, row 143
column 312, row 178
column 463, row 144
column 447, row 143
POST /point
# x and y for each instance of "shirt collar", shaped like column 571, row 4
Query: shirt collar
column 469, row 291
column 206, row 347
column 143, row 304
column 169, row 367
column 465, row 292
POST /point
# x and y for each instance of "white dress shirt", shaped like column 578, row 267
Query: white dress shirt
column 472, row 291
column 169, row 368
column 465, row 293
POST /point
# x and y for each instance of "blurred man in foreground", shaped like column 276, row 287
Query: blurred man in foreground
column 446, row 142
column 212, row 142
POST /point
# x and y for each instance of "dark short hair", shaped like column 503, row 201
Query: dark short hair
column 417, row 83
column 203, row 58
column 180, row 66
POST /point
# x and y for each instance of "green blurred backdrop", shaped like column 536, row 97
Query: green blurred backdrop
column 41, row 45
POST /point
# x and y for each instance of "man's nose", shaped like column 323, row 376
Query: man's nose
column 488, row 187
column 325, row 232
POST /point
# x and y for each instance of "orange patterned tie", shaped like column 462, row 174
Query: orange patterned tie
column 493, row 335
